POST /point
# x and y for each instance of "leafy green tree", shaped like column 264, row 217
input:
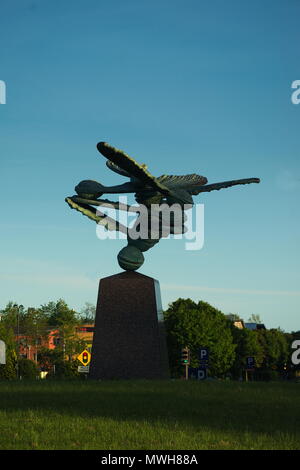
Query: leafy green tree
column 47, row 358
column 194, row 325
column 88, row 313
column 64, row 319
column 8, row 370
column 247, row 344
column 29, row 326
column 254, row 318
column 35, row 323
column 34, row 328
column 28, row 369
column 12, row 316
column 233, row 317
column 276, row 348
column 59, row 314
column 64, row 370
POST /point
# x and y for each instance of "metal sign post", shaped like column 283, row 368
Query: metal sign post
column 250, row 366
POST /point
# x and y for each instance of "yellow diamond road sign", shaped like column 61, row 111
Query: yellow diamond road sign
column 84, row 357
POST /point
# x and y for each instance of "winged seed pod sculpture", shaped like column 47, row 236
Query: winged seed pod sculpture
column 149, row 191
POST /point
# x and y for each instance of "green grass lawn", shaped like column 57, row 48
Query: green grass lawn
column 149, row 415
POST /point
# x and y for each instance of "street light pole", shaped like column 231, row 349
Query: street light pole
column 18, row 339
column 18, row 334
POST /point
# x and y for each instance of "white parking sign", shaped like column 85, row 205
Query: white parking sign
column 2, row 352
column 201, row 374
column 203, row 356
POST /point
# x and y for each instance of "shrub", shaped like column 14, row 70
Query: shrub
column 266, row 375
column 64, row 370
column 28, row 369
column 8, row 370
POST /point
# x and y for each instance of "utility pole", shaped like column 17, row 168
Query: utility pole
column 18, row 335
column 18, row 339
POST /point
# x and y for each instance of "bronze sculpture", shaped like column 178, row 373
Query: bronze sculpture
column 149, row 192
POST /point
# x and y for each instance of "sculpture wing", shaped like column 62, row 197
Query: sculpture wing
column 96, row 216
column 224, row 184
column 182, row 181
column 112, row 166
column 130, row 166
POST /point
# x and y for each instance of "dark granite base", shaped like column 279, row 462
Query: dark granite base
column 129, row 339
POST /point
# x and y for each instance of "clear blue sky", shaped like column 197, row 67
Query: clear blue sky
column 195, row 86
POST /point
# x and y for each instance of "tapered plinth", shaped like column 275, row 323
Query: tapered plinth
column 129, row 339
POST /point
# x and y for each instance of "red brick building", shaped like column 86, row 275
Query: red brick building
column 29, row 348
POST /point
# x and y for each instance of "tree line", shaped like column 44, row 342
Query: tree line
column 22, row 328
column 199, row 324
column 187, row 323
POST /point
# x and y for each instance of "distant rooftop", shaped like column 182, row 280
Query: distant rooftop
column 255, row 326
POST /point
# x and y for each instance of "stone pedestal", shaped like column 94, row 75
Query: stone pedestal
column 129, row 338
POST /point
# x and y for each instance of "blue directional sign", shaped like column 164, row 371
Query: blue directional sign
column 198, row 373
column 203, row 356
column 250, row 363
column 202, row 374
